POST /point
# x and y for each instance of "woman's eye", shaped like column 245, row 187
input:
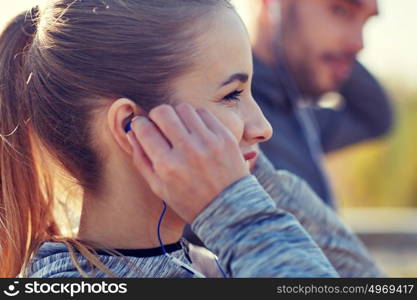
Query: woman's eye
column 233, row 96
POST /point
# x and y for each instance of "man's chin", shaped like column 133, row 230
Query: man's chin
column 329, row 81
column 336, row 80
column 314, row 89
column 329, row 86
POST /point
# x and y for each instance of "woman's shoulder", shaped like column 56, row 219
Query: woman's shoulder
column 54, row 260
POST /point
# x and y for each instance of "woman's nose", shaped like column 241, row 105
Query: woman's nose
column 257, row 127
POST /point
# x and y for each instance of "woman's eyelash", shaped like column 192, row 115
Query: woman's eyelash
column 233, row 96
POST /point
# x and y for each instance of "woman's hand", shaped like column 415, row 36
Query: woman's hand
column 186, row 155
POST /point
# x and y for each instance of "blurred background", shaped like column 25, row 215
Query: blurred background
column 375, row 182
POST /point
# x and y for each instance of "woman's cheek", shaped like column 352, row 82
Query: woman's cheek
column 230, row 117
column 234, row 123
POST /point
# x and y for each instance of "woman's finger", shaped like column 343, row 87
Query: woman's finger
column 213, row 123
column 150, row 138
column 170, row 124
column 191, row 119
column 140, row 159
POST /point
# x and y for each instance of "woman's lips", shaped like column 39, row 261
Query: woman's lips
column 250, row 155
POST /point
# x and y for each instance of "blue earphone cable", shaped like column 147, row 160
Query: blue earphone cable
column 173, row 259
column 220, row 268
column 159, row 227
column 127, row 129
column 187, row 268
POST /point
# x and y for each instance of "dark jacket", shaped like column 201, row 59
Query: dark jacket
column 302, row 133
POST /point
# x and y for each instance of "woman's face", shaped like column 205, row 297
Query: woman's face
column 221, row 82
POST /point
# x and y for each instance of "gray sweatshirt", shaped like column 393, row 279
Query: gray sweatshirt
column 268, row 224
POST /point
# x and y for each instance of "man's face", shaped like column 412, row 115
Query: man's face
column 320, row 40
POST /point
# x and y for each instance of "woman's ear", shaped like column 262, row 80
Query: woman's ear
column 119, row 115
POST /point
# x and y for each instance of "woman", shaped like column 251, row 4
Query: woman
column 72, row 81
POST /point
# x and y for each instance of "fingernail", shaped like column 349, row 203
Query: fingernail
column 128, row 126
column 139, row 120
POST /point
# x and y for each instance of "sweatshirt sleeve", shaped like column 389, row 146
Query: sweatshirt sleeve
column 344, row 250
column 254, row 238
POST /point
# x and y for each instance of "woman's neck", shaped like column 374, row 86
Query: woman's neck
column 125, row 216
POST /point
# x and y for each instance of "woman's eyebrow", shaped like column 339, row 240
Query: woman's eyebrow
column 242, row 77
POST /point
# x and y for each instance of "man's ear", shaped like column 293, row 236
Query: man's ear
column 119, row 114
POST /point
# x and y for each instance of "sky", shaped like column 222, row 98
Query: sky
column 390, row 39
column 391, row 42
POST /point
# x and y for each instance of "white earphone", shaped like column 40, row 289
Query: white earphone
column 185, row 266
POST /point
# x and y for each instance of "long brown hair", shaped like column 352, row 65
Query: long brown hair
column 55, row 66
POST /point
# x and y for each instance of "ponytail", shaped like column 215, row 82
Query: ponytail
column 25, row 205
column 53, row 77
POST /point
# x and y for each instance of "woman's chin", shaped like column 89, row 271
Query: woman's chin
column 251, row 164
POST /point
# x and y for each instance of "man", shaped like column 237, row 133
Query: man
column 302, row 50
